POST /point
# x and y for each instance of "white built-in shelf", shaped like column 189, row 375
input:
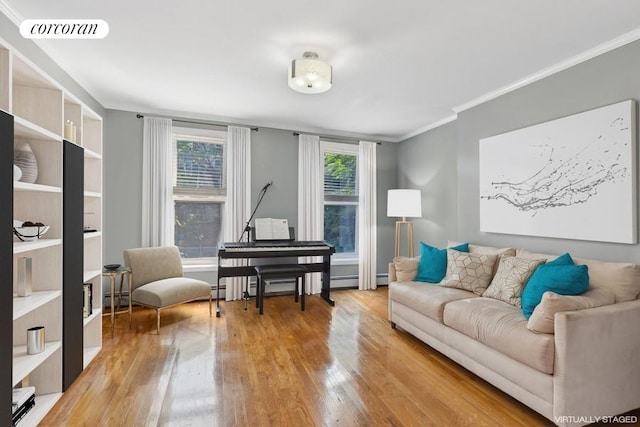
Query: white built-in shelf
column 40, row 107
column 24, row 364
column 92, row 235
column 23, row 128
column 97, row 312
column 90, row 274
column 89, row 354
column 20, row 247
column 44, row 403
column 92, row 154
column 25, row 305
column 25, row 186
column 27, row 73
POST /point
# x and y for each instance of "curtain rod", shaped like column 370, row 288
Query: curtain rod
column 338, row 138
column 139, row 116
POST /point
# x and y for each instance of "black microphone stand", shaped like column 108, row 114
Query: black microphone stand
column 247, row 227
column 247, row 230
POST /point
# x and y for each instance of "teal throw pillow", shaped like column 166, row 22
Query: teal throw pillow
column 562, row 279
column 564, row 259
column 433, row 262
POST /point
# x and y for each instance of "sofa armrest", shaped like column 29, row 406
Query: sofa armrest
column 597, row 362
column 392, row 272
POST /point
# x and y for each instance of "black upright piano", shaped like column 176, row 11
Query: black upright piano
column 275, row 249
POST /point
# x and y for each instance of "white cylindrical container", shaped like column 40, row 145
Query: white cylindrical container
column 35, row 340
column 69, row 131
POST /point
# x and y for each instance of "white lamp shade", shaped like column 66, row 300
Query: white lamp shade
column 404, row 203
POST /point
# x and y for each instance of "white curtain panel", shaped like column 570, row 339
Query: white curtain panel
column 238, row 204
column 310, row 201
column 157, row 183
column 367, row 237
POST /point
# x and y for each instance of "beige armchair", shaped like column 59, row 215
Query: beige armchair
column 157, row 280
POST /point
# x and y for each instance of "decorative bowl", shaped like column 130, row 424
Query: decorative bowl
column 112, row 266
column 30, row 233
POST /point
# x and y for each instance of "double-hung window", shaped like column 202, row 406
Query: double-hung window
column 199, row 192
column 341, row 197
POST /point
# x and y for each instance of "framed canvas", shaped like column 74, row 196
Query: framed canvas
column 572, row 178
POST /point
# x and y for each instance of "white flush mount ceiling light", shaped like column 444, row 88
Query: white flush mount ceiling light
column 309, row 74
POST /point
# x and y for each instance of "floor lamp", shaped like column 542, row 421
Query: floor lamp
column 404, row 203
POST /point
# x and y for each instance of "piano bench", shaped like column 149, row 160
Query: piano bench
column 266, row 273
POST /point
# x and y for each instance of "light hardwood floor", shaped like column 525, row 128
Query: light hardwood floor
column 327, row 366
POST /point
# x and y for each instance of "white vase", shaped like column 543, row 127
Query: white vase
column 17, row 173
column 24, row 158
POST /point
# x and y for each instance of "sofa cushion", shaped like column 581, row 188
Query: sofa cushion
column 406, row 268
column 427, row 299
column 523, row 253
column 502, row 327
column 167, row 292
column 433, row 262
column 623, row 279
column 542, row 318
column 510, row 278
column 471, row 272
column 561, row 279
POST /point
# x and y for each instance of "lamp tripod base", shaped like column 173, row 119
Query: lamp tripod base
column 409, row 227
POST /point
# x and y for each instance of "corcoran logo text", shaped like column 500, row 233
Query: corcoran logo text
column 64, row 29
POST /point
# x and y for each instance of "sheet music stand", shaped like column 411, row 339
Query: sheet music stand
column 292, row 236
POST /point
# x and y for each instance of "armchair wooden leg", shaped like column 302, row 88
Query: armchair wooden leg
column 304, row 291
column 158, row 322
column 130, row 296
column 210, row 299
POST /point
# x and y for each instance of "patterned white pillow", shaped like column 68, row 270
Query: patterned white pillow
column 510, row 279
column 471, row 272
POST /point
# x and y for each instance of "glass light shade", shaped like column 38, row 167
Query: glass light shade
column 404, row 203
column 310, row 75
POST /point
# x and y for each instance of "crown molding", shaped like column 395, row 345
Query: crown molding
column 434, row 125
column 10, row 13
column 546, row 72
column 560, row 66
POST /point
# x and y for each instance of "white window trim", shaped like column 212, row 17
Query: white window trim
column 204, row 135
column 348, row 258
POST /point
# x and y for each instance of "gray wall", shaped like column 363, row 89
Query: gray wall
column 428, row 162
column 274, row 157
column 606, row 79
column 122, row 193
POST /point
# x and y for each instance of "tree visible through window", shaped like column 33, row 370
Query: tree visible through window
column 199, row 194
column 341, row 198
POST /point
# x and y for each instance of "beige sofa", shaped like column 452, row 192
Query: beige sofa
column 588, row 368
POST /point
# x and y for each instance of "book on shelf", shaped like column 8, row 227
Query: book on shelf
column 87, row 296
column 23, row 399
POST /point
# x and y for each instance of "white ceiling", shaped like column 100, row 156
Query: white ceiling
column 399, row 67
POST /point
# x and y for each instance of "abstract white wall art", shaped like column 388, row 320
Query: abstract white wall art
column 572, row 178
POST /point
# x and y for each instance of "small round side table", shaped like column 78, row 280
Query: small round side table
column 112, row 274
